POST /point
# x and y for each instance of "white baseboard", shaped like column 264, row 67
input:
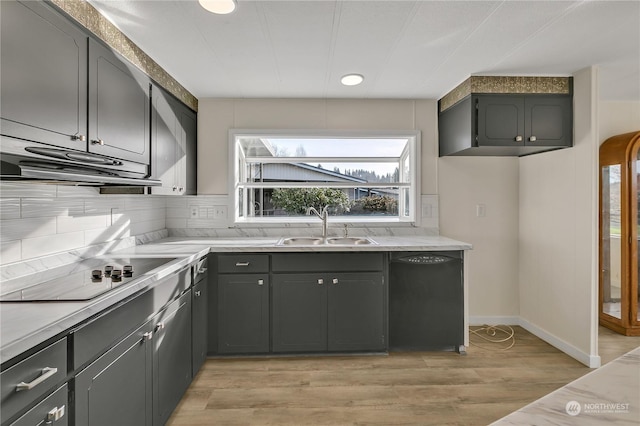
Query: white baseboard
column 591, row 361
column 493, row 320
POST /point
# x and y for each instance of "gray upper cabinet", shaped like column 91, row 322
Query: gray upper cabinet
column 506, row 125
column 44, row 76
column 525, row 121
column 119, row 118
column 173, row 144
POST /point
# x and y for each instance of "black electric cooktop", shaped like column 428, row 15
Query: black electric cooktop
column 90, row 279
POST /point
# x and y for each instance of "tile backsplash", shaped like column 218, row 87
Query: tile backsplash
column 40, row 220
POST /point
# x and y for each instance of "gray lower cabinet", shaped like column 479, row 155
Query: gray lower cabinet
column 328, row 312
column 24, row 383
column 117, row 387
column 356, row 312
column 171, row 357
column 53, row 410
column 243, row 313
column 44, row 75
column 299, row 313
column 199, row 315
column 141, row 379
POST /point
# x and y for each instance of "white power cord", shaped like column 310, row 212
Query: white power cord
column 490, row 333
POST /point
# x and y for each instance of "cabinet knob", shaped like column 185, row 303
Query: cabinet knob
column 160, row 326
column 202, row 270
column 97, row 142
column 260, row 282
column 197, row 293
column 518, row 138
column 181, row 189
column 147, row 336
column 334, row 281
column 320, row 281
column 533, row 139
column 81, row 138
column 175, row 188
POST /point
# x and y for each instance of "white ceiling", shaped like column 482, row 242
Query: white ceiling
column 404, row 48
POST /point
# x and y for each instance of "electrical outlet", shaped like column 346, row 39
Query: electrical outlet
column 219, row 212
column 481, row 210
column 194, row 212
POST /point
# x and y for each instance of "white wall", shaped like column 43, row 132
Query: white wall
column 558, row 234
column 465, row 184
column 616, row 118
column 217, row 116
column 40, row 220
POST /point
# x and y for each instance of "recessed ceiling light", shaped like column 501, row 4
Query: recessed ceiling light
column 351, row 79
column 221, row 7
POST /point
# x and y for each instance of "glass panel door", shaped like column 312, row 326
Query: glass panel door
column 611, row 241
column 635, row 234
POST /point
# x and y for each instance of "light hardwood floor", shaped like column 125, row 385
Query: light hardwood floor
column 426, row 388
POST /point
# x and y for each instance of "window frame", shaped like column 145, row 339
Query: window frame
column 410, row 152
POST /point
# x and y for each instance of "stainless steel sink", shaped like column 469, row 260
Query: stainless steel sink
column 300, row 241
column 315, row 241
column 350, row 241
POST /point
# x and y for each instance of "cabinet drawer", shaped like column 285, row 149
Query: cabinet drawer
column 326, row 262
column 36, row 375
column 243, row 263
column 52, row 407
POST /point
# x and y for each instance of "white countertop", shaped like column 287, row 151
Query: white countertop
column 177, row 245
column 25, row 325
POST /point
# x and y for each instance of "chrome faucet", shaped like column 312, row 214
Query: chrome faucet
column 324, row 215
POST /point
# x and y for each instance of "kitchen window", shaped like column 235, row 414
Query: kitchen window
column 359, row 176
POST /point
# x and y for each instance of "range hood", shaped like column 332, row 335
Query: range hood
column 24, row 161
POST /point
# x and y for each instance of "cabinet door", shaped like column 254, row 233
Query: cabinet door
column 199, row 320
column 500, row 120
column 187, row 154
column 43, row 77
column 356, row 312
column 243, row 313
column 548, row 120
column 299, row 313
column 171, row 357
column 116, row 389
column 165, row 141
column 118, row 106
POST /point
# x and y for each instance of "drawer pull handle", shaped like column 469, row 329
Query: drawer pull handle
column 202, row 270
column 55, row 414
column 160, row 327
column 46, row 373
column 335, row 281
column 260, row 282
column 320, row 281
column 147, row 336
column 242, row 263
column 533, row 139
column 518, row 138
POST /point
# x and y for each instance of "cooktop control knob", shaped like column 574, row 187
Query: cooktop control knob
column 127, row 271
column 107, row 270
column 116, row 275
column 96, row 275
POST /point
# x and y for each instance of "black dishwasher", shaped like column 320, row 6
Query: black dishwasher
column 426, row 301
